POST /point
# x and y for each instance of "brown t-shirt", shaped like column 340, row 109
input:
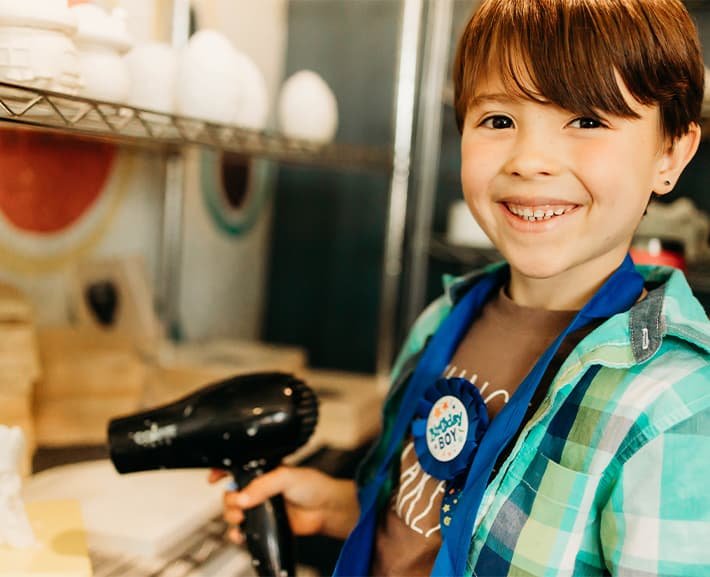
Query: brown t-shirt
column 496, row 354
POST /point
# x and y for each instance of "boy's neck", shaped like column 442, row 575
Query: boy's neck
column 568, row 291
column 550, row 294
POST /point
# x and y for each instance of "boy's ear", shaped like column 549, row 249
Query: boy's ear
column 676, row 157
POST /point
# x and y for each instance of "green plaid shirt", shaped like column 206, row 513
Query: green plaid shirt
column 611, row 476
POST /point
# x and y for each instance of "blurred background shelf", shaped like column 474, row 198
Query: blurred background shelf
column 699, row 277
column 129, row 126
column 698, row 4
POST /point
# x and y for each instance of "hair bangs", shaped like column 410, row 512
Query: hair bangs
column 574, row 53
column 560, row 56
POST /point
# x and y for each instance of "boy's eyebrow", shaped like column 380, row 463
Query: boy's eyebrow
column 498, row 97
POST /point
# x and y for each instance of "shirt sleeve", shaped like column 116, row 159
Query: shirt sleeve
column 657, row 519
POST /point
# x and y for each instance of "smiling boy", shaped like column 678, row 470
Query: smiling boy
column 584, row 447
column 560, row 194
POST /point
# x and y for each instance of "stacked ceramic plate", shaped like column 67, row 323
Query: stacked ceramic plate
column 36, row 46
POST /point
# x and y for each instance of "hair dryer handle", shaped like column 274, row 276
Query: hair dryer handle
column 268, row 533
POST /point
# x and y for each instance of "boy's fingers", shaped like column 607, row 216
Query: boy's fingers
column 259, row 490
column 235, row 536
column 233, row 516
column 232, row 500
column 215, row 475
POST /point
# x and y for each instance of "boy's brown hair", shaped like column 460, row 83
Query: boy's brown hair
column 568, row 52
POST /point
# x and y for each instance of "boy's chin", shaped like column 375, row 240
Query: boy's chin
column 539, row 269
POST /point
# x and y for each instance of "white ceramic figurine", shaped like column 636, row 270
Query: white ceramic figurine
column 15, row 529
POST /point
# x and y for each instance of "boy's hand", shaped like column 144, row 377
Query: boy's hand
column 315, row 502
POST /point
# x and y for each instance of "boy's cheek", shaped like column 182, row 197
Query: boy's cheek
column 477, row 175
column 486, row 155
column 474, row 188
column 475, row 204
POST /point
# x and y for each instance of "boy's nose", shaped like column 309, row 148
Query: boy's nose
column 532, row 155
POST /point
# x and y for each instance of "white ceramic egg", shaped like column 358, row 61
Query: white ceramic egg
column 254, row 105
column 152, row 69
column 308, row 108
column 208, row 84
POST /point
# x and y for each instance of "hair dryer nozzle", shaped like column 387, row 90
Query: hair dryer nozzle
column 248, row 421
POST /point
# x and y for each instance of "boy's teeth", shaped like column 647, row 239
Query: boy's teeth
column 543, row 213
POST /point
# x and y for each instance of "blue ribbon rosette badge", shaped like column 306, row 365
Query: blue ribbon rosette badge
column 450, row 421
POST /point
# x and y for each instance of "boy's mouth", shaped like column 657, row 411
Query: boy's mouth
column 538, row 213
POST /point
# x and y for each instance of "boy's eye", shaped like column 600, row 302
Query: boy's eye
column 587, row 122
column 498, row 122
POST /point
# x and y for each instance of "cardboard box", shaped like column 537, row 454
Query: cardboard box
column 14, row 306
column 79, row 421
column 79, row 363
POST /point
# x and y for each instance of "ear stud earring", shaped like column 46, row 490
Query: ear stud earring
column 667, row 182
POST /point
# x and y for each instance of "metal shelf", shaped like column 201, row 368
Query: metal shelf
column 129, row 126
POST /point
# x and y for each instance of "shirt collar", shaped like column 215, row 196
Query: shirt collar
column 669, row 308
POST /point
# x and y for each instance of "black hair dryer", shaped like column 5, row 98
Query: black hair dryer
column 245, row 424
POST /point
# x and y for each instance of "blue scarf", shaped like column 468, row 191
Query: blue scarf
column 616, row 295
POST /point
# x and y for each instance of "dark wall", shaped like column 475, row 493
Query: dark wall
column 329, row 225
column 695, row 182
